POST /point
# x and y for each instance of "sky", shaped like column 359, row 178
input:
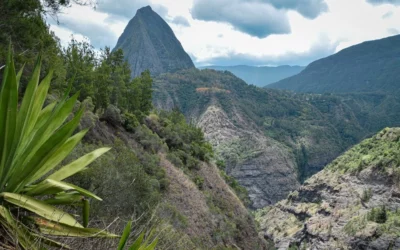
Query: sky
column 242, row 32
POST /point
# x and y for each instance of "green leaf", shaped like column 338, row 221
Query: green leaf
column 40, row 208
column 42, row 155
column 19, row 75
column 152, row 246
column 8, row 115
column 58, row 156
column 78, row 165
column 40, row 98
column 125, row 236
column 85, row 212
column 65, row 199
column 138, row 242
column 44, row 134
column 50, row 186
column 56, row 229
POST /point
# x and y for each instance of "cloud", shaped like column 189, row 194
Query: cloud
column 98, row 34
column 126, row 9
column 307, row 8
column 323, row 48
column 387, row 15
column 393, row 31
column 180, row 20
column 252, row 17
column 378, row 2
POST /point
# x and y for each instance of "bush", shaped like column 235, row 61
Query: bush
column 378, row 215
column 366, row 195
column 130, row 121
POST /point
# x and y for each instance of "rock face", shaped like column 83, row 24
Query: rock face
column 149, row 43
column 263, row 166
column 352, row 204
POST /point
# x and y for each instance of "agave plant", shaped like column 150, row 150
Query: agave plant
column 34, row 140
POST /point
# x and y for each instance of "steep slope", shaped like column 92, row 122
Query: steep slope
column 194, row 207
column 371, row 66
column 270, row 140
column 259, row 76
column 352, row 204
column 149, row 43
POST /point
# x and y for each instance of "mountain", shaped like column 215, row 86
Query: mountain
column 352, row 204
column 271, row 140
column 259, row 76
column 149, row 43
column 371, row 66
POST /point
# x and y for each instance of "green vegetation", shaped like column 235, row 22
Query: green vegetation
column 186, row 143
column 378, row 215
column 107, row 80
column 311, row 125
column 366, row 195
column 34, row 140
column 386, row 222
column 381, row 151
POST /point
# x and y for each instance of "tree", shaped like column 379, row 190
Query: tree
column 22, row 22
column 147, row 90
column 80, row 62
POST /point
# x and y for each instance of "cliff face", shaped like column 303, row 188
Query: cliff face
column 149, row 43
column 260, row 164
column 352, row 204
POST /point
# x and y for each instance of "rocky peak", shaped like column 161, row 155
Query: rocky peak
column 150, row 44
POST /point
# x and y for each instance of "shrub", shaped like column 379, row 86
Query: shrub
column 378, row 215
column 366, row 195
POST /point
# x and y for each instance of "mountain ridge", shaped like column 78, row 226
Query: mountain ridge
column 371, row 66
column 259, row 76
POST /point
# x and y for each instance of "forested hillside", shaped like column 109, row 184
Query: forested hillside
column 271, row 140
column 363, row 68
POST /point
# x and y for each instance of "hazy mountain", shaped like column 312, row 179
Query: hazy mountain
column 371, row 66
column 259, row 76
column 149, row 43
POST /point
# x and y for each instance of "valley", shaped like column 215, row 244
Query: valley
column 137, row 146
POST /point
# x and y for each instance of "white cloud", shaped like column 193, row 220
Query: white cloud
column 345, row 23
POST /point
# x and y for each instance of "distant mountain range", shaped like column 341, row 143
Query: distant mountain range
column 259, row 76
column 149, row 43
column 372, row 66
